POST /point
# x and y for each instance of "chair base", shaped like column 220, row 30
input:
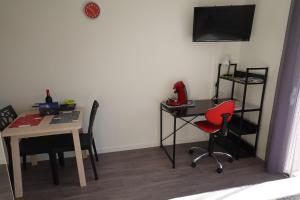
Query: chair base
column 208, row 154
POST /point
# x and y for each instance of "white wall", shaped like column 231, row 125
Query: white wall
column 128, row 58
column 265, row 49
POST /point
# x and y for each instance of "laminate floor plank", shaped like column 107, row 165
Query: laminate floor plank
column 5, row 189
column 141, row 174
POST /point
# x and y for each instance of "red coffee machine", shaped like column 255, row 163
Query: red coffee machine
column 180, row 90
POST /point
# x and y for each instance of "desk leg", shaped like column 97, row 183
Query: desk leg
column 79, row 158
column 15, row 150
column 174, row 142
column 161, row 126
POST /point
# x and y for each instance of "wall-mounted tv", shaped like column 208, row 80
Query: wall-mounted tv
column 223, row 23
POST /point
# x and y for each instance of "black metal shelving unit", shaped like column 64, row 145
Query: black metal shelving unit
column 239, row 126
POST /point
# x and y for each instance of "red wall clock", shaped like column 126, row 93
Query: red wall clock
column 92, row 10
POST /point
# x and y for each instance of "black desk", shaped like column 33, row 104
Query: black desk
column 201, row 106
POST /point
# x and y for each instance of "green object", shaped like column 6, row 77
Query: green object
column 69, row 101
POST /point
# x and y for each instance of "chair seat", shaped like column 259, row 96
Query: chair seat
column 65, row 142
column 44, row 144
column 208, row 127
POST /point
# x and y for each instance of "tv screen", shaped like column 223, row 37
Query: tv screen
column 223, row 23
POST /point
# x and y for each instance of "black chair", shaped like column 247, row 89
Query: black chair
column 28, row 146
column 7, row 115
column 64, row 143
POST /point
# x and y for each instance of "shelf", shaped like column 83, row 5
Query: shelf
column 241, row 126
column 238, row 105
column 242, row 81
column 240, row 77
column 248, row 107
column 229, row 143
column 238, row 126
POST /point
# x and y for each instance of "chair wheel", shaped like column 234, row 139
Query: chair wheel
column 193, row 165
column 230, row 160
column 191, row 151
column 219, row 170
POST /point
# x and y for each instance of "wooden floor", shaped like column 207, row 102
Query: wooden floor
column 5, row 189
column 142, row 174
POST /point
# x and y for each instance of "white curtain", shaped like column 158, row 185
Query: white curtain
column 292, row 166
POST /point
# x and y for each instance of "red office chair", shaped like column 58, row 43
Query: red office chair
column 216, row 122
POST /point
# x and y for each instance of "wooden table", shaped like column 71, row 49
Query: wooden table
column 43, row 129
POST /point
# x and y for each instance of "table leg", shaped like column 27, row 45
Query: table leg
column 15, row 150
column 79, row 158
column 174, row 142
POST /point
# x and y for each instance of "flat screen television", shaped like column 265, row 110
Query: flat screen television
column 223, row 23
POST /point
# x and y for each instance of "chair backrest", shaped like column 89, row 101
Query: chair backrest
column 217, row 114
column 7, row 115
column 92, row 119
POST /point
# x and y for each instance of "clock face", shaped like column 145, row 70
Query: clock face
column 92, row 10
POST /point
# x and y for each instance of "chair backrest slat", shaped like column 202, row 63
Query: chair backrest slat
column 7, row 115
column 92, row 119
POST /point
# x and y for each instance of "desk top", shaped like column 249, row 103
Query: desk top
column 201, row 106
column 45, row 127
